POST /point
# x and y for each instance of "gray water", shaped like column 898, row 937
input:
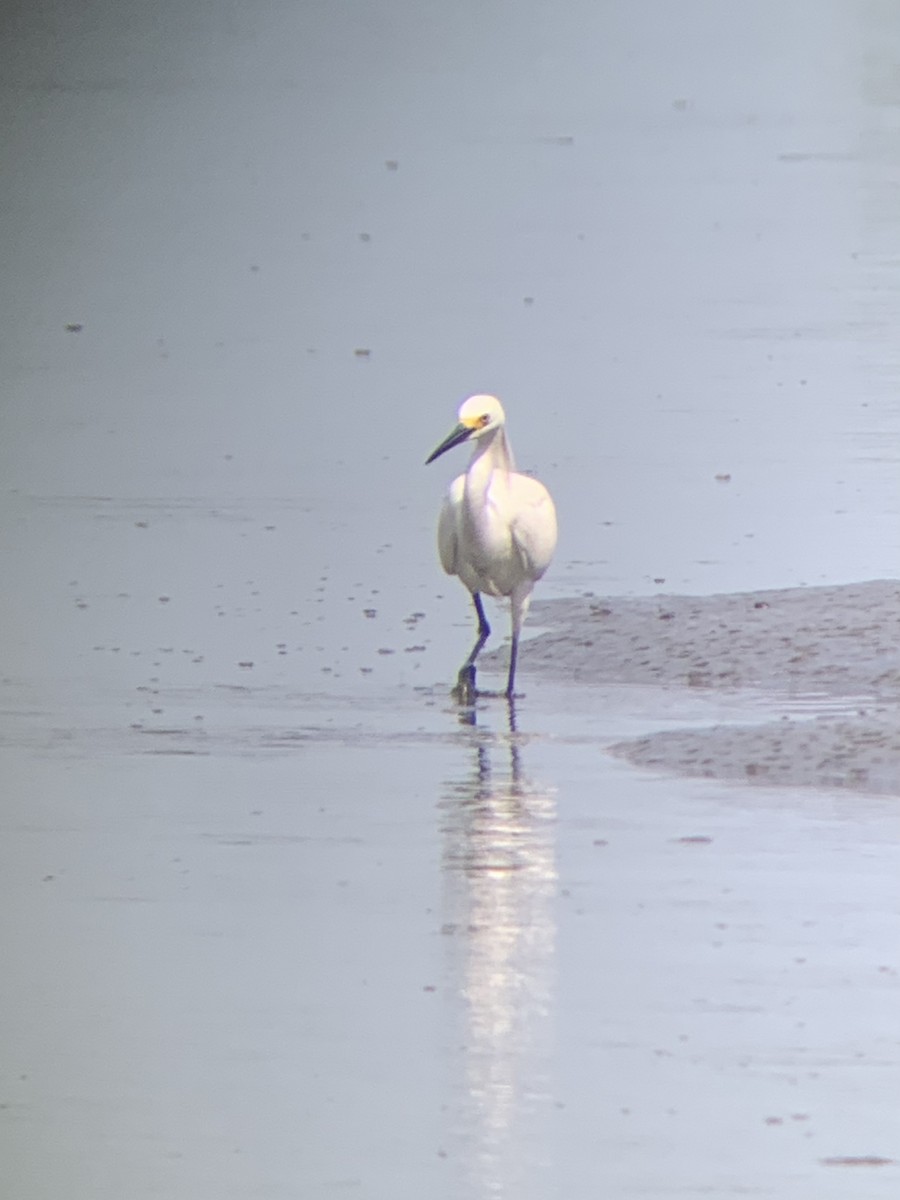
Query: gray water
column 279, row 922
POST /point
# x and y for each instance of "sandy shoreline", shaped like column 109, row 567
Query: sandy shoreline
column 836, row 642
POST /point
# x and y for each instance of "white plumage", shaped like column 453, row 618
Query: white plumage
column 497, row 528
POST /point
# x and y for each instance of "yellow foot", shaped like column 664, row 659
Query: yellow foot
column 465, row 692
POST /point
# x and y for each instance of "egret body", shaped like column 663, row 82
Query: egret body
column 496, row 530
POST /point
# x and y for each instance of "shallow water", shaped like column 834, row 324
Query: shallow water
column 374, row 949
column 280, row 921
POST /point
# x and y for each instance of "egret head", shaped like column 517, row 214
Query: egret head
column 478, row 416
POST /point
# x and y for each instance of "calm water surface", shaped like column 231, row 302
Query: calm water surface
column 279, row 923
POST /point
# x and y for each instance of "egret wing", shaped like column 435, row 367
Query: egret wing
column 534, row 525
column 448, row 526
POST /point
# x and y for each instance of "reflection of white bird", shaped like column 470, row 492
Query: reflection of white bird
column 497, row 528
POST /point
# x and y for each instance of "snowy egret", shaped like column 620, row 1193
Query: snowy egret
column 497, row 528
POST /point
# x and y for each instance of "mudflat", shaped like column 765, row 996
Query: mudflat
column 837, row 646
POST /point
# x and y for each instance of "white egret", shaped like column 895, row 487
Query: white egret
column 497, row 528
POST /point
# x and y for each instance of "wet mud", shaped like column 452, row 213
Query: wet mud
column 836, row 647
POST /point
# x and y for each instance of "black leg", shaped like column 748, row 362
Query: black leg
column 465, row 683
column 513, row 655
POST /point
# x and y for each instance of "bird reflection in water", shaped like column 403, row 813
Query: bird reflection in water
column 499, row 872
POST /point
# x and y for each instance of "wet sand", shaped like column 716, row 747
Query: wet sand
column 837, row 647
